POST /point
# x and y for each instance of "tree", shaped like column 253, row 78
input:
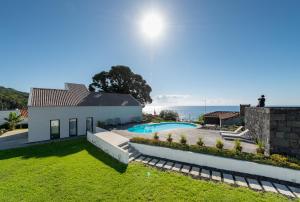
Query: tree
column 169, row 115
column 120, row 79
column 13, row 119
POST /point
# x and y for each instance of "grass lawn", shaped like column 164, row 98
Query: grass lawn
column 74, row 170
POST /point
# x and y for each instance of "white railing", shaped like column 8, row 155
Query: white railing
column 112, row 150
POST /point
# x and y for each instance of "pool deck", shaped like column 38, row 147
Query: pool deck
column 192, row 134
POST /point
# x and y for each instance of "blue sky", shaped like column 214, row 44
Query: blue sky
column 227, row 52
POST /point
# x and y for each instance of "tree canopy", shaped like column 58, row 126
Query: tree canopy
column 120, row 79
column 12, row 99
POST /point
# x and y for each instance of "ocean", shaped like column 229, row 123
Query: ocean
column 190, row 112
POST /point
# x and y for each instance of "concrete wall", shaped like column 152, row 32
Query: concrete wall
column 112, row 150
column 39, row 118
column 220, row 162
column 277, row 127
column 4, row 114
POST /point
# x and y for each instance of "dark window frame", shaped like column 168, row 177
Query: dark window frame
column 92, row 121
column 51, row 134
column 70, row 127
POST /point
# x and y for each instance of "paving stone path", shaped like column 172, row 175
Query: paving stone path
column 204, row 173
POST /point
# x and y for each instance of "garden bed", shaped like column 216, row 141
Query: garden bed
column 275, row 160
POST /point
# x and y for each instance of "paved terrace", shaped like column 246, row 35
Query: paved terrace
column 192, row 134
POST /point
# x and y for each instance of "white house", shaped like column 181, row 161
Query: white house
column 60, row 113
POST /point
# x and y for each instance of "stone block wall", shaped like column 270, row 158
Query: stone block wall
column 285, row 131
column 277, row 127
column 257, row 120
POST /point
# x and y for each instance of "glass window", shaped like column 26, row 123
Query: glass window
column 73, row 127
column 54, row 129
column 89, row 124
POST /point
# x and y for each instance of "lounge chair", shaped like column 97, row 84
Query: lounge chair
column 233, row 132
column 243, row 136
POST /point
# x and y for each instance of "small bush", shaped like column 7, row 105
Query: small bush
column 201, row 119
column 169, row 139
column 219, row 144
column 237, row 146
column 183, row 140
column 155, row 136
column 258, row 158
column 168, row 115
column 279, row 158
column 260, row 148
column 200, row 142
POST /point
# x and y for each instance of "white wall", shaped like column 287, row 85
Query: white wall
column 112, row 150
column 39, row 118
column 220, row 162
column 5, row 114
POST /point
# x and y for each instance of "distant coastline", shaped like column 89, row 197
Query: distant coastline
column 189, row 112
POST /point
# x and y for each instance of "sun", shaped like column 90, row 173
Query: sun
column 152, row 25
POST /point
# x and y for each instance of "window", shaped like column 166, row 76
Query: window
column 54, row 129
column 89, row 124
column 73, row 127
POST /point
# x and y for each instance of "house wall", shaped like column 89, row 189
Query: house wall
column 5, row 114
column 39, row 118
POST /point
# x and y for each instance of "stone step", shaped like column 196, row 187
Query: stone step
column 254, row 184
column 134, row 156
column 283, row 190
column 177, row 167
column 123, row 144
column 146, row 160
column 295, row 190
column 228, row 178
column 185, row 169
column 240, row 181
column 125, row 147
column 140, row 158
column 268, row 186
column 205, row 173
column 153, row 162
column 169, row 165
column 215, row 175
column 160, row 164
column 195, row 171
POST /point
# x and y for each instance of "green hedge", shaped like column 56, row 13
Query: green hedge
column 286, row 162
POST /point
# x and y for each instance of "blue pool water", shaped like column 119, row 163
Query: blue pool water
column 156, row 127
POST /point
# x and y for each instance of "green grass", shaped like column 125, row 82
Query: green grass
column 74, row 170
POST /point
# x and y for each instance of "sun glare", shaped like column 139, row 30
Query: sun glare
column 152, row 25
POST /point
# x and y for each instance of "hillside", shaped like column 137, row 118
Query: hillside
column 12, row 99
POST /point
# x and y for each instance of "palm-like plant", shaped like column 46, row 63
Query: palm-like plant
column 13, row 119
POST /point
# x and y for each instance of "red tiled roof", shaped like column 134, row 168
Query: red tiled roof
column 78, row 95
column 222, row 114
column 24, row 113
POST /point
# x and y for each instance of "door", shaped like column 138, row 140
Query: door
column 89, row 124
column 54, row 129
column 73, row 127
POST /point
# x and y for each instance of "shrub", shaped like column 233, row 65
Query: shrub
column 258, row 158
column 219, row 144
column 201, row 119
column 169, row 139
column 155, row 136
column 200, row 142
column 183, row 140
column 260, row 147
column 168, row 115
column 279, row 158
column 237, row 146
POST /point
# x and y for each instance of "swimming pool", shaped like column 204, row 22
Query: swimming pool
column 156, row 127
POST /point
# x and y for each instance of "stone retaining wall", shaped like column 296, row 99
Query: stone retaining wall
column 277, row 127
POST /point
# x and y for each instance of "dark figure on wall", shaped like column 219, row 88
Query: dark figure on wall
column 261, row 101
